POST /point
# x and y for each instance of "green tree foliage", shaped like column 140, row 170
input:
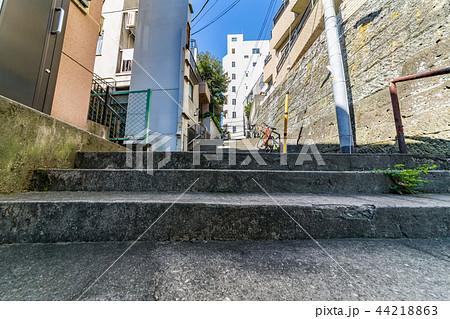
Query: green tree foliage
column 211, row 71
column 248, row 109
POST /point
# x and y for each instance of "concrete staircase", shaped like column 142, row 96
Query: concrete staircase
column 255, row 197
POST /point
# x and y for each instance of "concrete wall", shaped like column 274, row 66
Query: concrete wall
column 73, row 86
column 381, row 40
column 32, row 140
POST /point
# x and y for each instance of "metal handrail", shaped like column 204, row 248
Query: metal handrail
column 280, row 12
column 396, row 104
column 295, row 34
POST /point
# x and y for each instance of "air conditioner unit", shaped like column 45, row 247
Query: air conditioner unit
column 130, row 20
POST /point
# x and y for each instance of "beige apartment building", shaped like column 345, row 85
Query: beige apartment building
column 297, row 24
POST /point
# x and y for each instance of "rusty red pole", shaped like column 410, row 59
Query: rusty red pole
column 397, row 118
column 396, row 105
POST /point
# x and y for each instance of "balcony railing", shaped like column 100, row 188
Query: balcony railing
column 194, row 66
column 267, row 59
column 295, row 34
column 280, row 12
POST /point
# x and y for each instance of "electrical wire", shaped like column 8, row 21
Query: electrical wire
column 200, row 11
column 204, row 14
column 270, row 10
column 218, row 17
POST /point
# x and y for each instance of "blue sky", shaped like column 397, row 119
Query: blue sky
column 246, row 17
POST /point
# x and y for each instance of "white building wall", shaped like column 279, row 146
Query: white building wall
column 246, row 62
column 106, row 64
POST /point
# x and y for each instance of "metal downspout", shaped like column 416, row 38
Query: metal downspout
column 338, row 78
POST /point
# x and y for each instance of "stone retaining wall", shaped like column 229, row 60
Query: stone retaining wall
column 381, row 40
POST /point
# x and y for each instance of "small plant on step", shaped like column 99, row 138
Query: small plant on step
column 407, row 181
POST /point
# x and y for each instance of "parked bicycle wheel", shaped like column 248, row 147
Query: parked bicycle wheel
column 261, row 143
column 270, row 144
column 273, row 145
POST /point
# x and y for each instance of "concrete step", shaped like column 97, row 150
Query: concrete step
column 88, row 216
column 248, row 161
column 226, row 181
column 381, row 269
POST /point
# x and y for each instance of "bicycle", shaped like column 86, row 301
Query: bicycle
column 268, row 142
column 225, row 135
column 252, row 132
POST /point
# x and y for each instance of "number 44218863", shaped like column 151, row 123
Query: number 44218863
column 408, row 310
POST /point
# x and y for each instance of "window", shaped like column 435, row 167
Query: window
column 233, row 89
column 254, row 63
column 233, row 76
column 233, row 39
column 191, row 91
column 234, row 129
column 233, row 51
column 234, row 116
column 245, row 56
column 246, row 74
column 99, row 43
column 255, row 51
column 234, row 103
column 127, row 65
column 233, row 64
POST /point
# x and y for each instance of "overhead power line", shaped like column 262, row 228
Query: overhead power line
column 200, row 11
column 204, row 14
column 219, row 16
column 264, row 25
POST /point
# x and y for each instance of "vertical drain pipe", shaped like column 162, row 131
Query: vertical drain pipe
column 338, row 78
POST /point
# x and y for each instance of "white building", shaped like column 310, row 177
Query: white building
column 116, row 45
column 244, row 64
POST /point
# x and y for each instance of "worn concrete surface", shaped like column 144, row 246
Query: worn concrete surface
column 31, row 140
column 284, row 270
column 267, row 161
column 227, row 181
column 81, row 216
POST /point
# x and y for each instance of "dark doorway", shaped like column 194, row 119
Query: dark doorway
column 31, row 38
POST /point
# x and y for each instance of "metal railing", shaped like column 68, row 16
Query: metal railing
column 396, row 104
column 267, row 59
column 280, row 12
column 295, row 34
column 196, row 132
column 111, row 109
column 194, row 66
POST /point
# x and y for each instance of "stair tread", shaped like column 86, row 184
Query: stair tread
column 242, row 199
column 283, row 270
column 254, row 171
